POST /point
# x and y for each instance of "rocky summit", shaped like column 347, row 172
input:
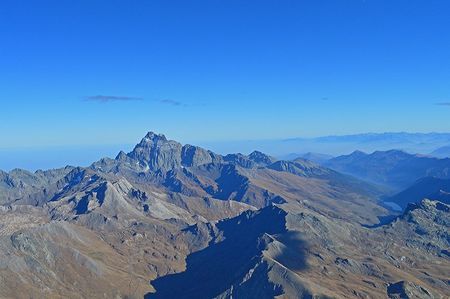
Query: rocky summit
column 168, row 220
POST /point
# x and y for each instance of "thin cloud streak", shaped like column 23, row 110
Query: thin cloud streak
column 176, row 103
column 443, row 104
column 170, row 102
column 108, row 99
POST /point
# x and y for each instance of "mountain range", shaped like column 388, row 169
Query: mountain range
column 168, row 220
column 338, row 144
column 393, row 169
column 316, row 149
column 335, row 145
column 442, row 152
column 427, row 187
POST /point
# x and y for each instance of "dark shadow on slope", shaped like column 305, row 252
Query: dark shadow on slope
column 382, row 220
column 231, row 184
column 221, row 265
column 293, row 255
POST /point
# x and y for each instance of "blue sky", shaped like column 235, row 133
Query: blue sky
column 100, row 73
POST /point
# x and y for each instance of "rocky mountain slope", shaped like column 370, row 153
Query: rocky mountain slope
column 169, row 220
column 296, row 253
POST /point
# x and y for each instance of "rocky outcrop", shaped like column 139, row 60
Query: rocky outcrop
column 20, row 183
column 425, row 226
column 407, row 290
column 300, row 167
column 197, row 156
column 158, row 153
column 261, row 159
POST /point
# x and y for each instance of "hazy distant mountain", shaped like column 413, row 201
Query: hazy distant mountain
column 422, row 143
column 170, row 220
column 409, row 142
column 442, row 152
column 428, row 187
column 394, row 169
column 314, row 157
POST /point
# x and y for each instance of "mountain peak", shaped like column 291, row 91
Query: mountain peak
column 154, row 137
column 261, row 158
column 156, row 152
column 257, row 154
column 121, row 155
column 358, row 153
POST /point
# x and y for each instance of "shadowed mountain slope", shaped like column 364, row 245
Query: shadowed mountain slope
column 298, row 253
column 234, row 264
column 428, row 187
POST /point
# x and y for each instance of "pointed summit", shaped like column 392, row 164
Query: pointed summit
column 152, row 136
column 150, row 140
column 261, row 158
column 158, row 153
column 121, row 155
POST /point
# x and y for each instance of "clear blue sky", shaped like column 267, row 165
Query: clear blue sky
column 104, row 72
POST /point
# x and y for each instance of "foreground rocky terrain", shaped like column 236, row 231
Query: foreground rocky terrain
column 177, row 221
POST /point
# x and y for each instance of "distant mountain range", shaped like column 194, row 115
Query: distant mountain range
column 394, row 169
column 428, row 187
column 442, row 152
column 314, row 157
column 168, row 220
column 286, row 149
column 422, row 143
column 410, row 142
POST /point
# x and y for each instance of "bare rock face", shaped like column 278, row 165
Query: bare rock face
column 425, row 226
column 255, row 159
column 300, row 167
column 197, row 156
column 240, row 160
column 19, row 183
column 57, row 259
column 261, row 158
column 158, row 153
